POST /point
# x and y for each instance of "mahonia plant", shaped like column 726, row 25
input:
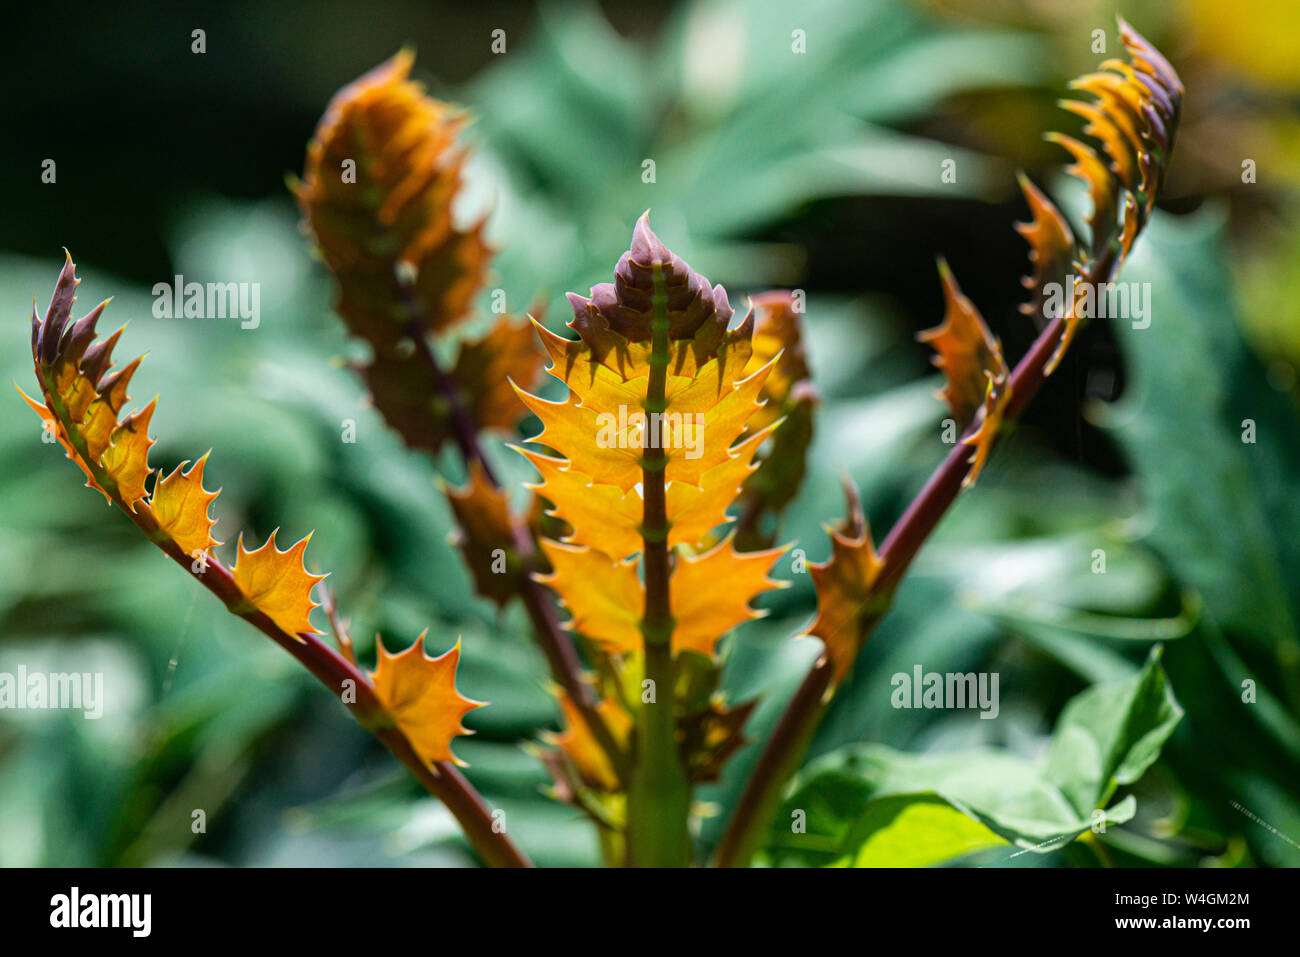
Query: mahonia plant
column 653, row 449
column 661, row 473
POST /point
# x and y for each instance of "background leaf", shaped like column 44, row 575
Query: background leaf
column 864, row 801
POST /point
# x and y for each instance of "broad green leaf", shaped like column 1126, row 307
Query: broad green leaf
column 1107, row 735
column 1221, row 501
column 1213, row 446
column 1110, row 734
column 915, row 830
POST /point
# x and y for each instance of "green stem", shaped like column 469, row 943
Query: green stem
column 659, row 798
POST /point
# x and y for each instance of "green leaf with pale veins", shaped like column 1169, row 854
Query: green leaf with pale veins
column 871, row 806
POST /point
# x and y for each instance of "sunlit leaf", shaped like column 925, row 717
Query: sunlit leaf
column 420, row 694
column 848, row 602
column 710, row 436
column 180, row 504
column 277, row 583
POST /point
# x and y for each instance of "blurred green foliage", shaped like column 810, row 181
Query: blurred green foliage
column 871, row 806
column 740, row 129
column 1199, row 535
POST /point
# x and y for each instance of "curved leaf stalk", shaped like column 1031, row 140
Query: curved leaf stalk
column 83, row 398
column 1134, row 117
column 784, row 751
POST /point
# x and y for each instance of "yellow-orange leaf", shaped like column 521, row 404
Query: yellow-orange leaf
column 180, row 506
column 277, row 583
column 982, row 439
column 486, row 366
column 1096, row 176
column 705, row 412
column 581, row 746
column 400, row 146
column 1106, row 128
column 778, row 335
column 608, row 518
column 712, row 735
column 603, row 596
column 1134, row 116
column 693, row 511
column 126, row 460
column 55, row 427
column 381, row 175
column 485, row 535
column 598, row 515
column 967, row 352
column 711, row 593
column 1051, row 247
column 977, row 378
column 848, row 602
column 704, row 415
column 420, row 694
column 84, row 396
column 790, row 400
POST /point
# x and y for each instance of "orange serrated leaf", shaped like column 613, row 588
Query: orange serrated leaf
column 977, row 384
column 778, row 334
column 695, row 510
column 790, row 399
column 848, row 602
column 1134, row 115
column 604, row 597
column 1051, row 248
column 381, row 172
column 709, row 414
column 55, row 428
column 711, row 593
column 486, row 366
column 597, row 515
column 1102, row 126
column 420, row 695
column 1096, row 176
column 608, row 518
column 84, row 396
column 967, row 352
column 485, row 535
column 607, row 444
column 277, row 583
column 126, row 460
column 982, row 439
column 712, row 735
column 580, row 745
column 180, row 506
